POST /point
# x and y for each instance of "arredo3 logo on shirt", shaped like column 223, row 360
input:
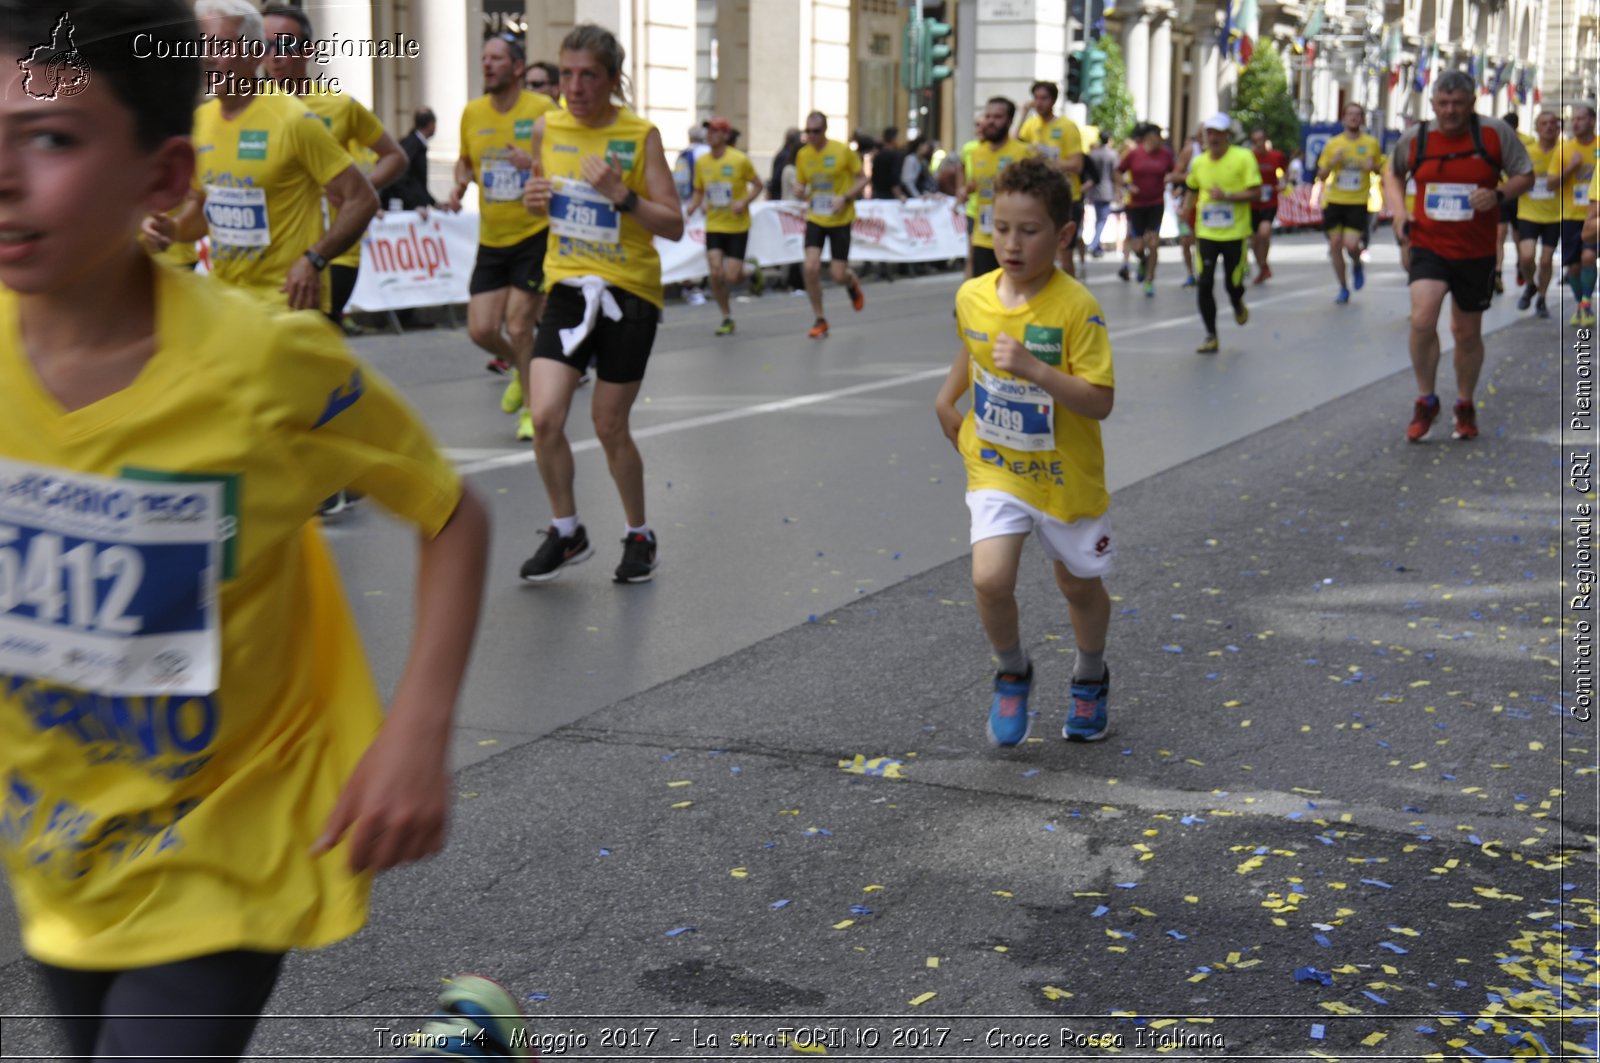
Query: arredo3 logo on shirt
column 64, row 73
column 1043, row 343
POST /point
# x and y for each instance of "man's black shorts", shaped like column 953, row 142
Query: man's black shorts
column 1547, row 233
column 519, row 265
column 1262, row 214
column 837, row 237
column 1351, row 216
column 732, row 245
column 618, row 349
column 1143, row 220
column 1571, row 242
column 1077, row 219
column 984, row 260
column 1471, row 280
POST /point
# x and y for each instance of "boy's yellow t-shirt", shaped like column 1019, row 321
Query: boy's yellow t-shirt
column 487, row 140
column 183, row 692
column 1348, row 185
column 723, row 181
column 262, row 173
column 1015, row 438
column 987, row 162
column 590, row 235
column 1057, row 139
column 828, row 176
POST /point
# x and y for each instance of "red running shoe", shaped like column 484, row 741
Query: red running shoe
column 1422, row 415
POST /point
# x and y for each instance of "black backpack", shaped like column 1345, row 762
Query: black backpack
column 1421, row 152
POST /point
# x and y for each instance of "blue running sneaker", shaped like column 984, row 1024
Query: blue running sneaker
column 1359, row 275
column 1343, row 296
column 1008, row 712
column 1189, row 281
column 476, row 1019
column 1086, row 722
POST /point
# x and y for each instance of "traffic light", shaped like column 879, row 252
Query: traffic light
column 911, row 67
column 1094, row 76
column 1075, row 63
column 934, row 53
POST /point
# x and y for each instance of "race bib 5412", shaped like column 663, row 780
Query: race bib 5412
column 109, row 584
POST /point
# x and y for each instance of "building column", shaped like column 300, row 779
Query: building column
column 1015, row 51
column 1162, row 61
column 452, row 40
column 1207, row 75
column 345, row 22
column 1136, row 60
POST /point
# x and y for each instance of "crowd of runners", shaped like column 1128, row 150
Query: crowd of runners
column 151, row 388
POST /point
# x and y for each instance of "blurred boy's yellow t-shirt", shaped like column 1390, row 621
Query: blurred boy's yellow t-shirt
column 169, row 533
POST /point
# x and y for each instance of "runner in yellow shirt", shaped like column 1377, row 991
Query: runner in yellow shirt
column 1344, row 168
column 994, row 153
column 606, row 189
column 727, row 183
column 1539, row 216
column 199, row 773
column 831, row 180
column 506, row 292
column 290, row 41
column 1058, row 138
column 265, row 165
column 1223, row 181
column 1037, row 358
column 1571, row 169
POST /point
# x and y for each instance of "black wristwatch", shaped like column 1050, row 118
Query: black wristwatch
column 629, row 201
column 1499, row 197
column 317, row 261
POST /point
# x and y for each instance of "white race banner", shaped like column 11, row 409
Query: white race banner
column 409, row 261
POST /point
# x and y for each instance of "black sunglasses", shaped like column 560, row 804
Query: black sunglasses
column 815, row 132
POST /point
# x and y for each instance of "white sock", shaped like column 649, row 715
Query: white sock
column 643, row 529
column 566, row 527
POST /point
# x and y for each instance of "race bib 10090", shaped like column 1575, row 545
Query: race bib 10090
column 110, row 585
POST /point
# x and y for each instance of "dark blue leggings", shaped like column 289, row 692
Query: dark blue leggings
column 135, row 1012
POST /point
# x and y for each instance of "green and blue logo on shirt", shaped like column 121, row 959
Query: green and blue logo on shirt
column 522, row 129
column 1043, row 343
column 252, row 143
column 623, row 152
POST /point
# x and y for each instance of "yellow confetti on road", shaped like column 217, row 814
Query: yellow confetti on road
column 740, row 872
column 683, row 804
column 680, row 783
column 842, row 924
column 921, row 999
column 1055, row 993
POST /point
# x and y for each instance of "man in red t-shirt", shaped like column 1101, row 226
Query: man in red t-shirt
column 1264, row 211
column 1147, row 167
column 1451, row 232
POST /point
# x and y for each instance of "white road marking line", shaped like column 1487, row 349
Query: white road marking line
column 511, row 459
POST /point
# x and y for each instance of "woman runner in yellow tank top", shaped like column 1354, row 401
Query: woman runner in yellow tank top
column 601, row 177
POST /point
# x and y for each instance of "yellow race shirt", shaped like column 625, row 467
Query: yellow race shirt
column 1236, row 171
column 828, row 176
column 1575, row 193
column 1058, row 138
column 1348, row 184
column 1541, row 204
column 588, row 234
column 487, row 140
column 723, row 181
column 184, row 694
column 262, row 173
column 1015, row 438
column 355, row 128
column 987, row 162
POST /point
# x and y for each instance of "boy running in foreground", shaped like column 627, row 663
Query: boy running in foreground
column 198, row 775
column 1038, row 360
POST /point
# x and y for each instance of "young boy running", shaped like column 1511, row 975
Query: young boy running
column 198, row 776
column 1036, row 355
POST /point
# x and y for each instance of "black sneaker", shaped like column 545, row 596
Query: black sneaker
column 555, row 553
column 638, row 558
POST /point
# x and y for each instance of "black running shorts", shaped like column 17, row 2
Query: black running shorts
column 618, row 349
column 519, row 265
column 1471, row 280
